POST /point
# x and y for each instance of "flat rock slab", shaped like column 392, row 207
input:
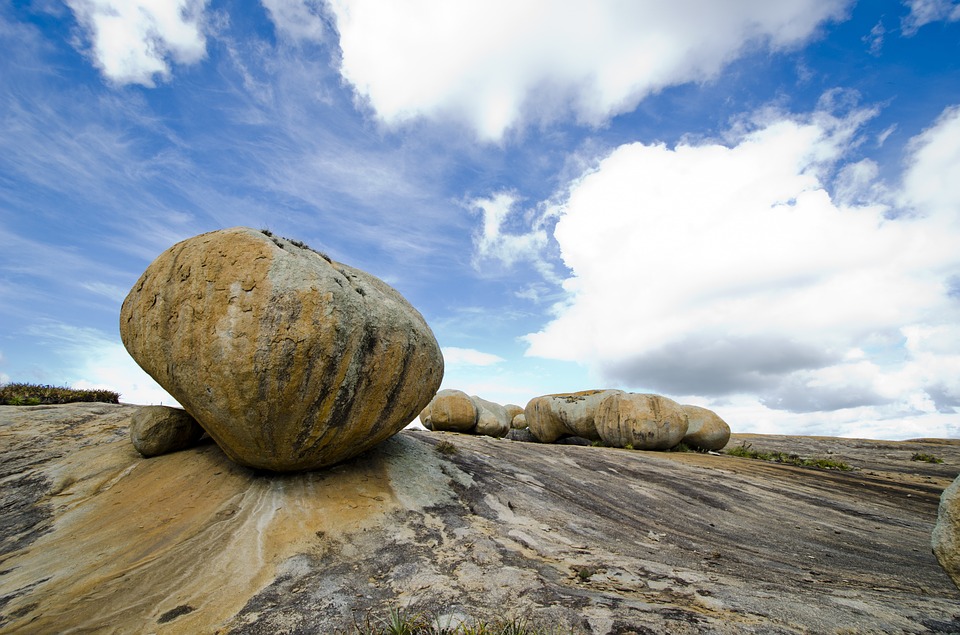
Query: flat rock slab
column 95, row 538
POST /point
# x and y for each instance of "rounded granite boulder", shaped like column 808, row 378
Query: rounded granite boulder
column 156, row 430
column 289, row 360
column 551, row 417
column 706, row 430
column 450, row 410
column 642, row 421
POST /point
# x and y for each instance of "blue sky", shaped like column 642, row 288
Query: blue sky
column 750, row 206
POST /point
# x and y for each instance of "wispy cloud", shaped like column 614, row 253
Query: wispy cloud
column 455, row 356
column 923, row 12
column 91, row 359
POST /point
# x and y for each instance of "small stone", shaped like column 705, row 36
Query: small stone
column 156, row 430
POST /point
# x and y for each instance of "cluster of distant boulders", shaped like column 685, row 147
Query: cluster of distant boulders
column 456, row 411
column 287, row 359
column 613, row 418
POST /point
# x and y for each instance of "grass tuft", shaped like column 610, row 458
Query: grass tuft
column 746, row 450
column 927, row 458
column 445, row 447
column 402, row 623
column 35, row 394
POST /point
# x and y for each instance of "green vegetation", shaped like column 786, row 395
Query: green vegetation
column 296, row 243
column 928, row 458
column 400, row 623
column 445, row 447
column 628, row 446
column 746, row 450
column 34, row 395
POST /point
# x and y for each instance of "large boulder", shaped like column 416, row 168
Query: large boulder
column 493, row 420
column 289, row 360
column 706, row 430
column 551, row 417
column 450, row 410
column 156, row 430
column 946, row 533
column 642, row 421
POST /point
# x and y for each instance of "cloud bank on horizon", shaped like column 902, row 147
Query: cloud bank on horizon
column 753, row 207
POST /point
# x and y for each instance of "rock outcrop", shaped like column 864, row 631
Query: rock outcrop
column 156, row 430
column 946, row 533
column 580, row 540
column 705, row 429
column 550, row 417
column 290, row 361
column 641, row 421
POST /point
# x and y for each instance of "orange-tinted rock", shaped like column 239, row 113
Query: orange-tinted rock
column 645, row 422
column 289, row 360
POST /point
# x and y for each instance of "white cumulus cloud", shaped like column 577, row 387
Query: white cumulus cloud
column 133, row 41
column 493, row 63
column 720, row 269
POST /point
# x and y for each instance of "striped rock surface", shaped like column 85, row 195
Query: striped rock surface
column 642, row 421
column 289, row 360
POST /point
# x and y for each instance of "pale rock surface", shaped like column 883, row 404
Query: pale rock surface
column 492, row 418
column 550, row 417
column 705, row 430
column 643, row 421
column 156, row 430
column 96, row 539
column 946, row 533
column 450, row 410
column 290, row 361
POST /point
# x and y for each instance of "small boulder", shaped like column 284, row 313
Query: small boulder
column 522, row 434
column 566, row 414
column 156, row 430
column 512, row 411
column 289, row 360
column 946, row 533
column 519, row 422
column 706, row 430
column 642, row 421
column 450, row 410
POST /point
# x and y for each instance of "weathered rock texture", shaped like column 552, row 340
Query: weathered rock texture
column 519, row 422
column 96, row 539
column 946, row 533
column 455, row 411
column 642, row 421
column 493, row 420
column 512, row 411
column 450, row 410
column 289, row 361
column 705, row 429
column 551, row 417
column 156, row 430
